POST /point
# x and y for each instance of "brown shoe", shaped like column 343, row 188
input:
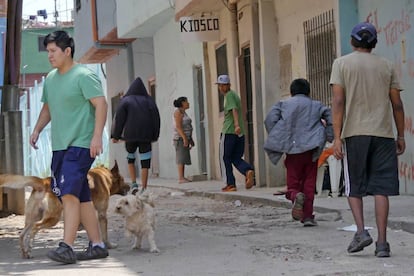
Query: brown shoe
column 297, row 207
column 249, row 179
column 229, row 188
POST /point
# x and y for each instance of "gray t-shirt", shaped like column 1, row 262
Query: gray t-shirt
column 367, row 80
column 186, row 125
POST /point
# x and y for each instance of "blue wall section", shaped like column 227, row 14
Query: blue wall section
column 394, row 21
column 348, row 17
column 3, row 28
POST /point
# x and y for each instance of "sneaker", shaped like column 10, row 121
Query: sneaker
column 90, row 253
column 382, row 250
column 229, row 188
column 297, row 208
column 134, row 188
column 63, row 254
column 249, row 179
column 309, row 222
column 359, row 241
column 142, row 190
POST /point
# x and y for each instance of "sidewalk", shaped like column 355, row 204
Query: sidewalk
column 400, row 217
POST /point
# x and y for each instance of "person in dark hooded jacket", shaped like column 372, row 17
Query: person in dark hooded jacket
column 137, row 122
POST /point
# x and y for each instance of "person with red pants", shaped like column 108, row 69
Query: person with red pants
column 299, row 127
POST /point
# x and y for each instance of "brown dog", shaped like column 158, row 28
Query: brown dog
column 44, row 210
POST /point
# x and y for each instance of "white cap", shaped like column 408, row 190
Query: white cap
column 223, row 79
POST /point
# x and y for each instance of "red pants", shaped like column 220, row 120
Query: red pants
column 301, row 177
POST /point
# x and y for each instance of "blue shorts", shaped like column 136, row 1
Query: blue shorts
column 69, row 173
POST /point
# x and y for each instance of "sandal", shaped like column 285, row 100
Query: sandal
column 185, row 180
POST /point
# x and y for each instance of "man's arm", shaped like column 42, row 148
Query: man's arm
column 398, row 112
column 338, row 110
column 100, row 118
column 42, row 121
column 237, row 129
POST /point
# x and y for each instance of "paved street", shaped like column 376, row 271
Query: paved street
column 202, row 231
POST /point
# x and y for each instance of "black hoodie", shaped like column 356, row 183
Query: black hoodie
column 137, row 118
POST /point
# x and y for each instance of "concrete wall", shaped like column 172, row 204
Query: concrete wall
column 290, row 17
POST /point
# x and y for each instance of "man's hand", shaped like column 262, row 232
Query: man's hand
column 33, row 139
column 96, row 146
column 237, row 130
column 337, row 149
column 400, row 145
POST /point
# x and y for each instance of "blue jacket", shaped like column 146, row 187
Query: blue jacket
column 137, row 118
column 294, row 126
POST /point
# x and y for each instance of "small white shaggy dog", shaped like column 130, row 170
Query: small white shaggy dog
column 140, row 218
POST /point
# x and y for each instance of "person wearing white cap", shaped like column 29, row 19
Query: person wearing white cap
column 232, row 138
column 366, row 100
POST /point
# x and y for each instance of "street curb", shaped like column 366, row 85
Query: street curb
column 395, row 224
column 249, row 199
column 401, row 225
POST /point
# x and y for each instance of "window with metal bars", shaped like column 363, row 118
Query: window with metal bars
column 320, row 46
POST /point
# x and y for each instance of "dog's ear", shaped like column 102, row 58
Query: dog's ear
column 140, row 203
column 115, row 169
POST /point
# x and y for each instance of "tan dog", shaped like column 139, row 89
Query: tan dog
column 140, row 218
column 44, row 210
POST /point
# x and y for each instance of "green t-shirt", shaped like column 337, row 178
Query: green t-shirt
column 72, row 114
column 232, row 101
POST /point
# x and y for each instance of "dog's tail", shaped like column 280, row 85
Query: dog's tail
column 147, row 197
column 20, row 181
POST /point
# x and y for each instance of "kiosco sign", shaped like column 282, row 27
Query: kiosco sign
column 205, row 28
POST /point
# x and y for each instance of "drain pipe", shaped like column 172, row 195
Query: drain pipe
column 112, row 44
column 234, row 32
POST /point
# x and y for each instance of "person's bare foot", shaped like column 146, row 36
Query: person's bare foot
column 184, row 180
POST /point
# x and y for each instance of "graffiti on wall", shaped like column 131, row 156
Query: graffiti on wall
column 394, row 31
column 394, row 28
column 394, row 24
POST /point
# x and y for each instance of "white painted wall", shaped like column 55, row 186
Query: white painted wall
column 117, row 81
column 142, row 18
column 174, row 61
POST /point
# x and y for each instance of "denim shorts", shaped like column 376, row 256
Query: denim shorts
column 69, row 173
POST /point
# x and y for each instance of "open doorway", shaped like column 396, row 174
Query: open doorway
column 246, row 96
column 200, row 118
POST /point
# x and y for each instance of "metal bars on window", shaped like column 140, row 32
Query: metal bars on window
column 320, row 46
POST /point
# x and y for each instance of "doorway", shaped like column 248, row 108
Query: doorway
column 246, row 96
column 200, row 118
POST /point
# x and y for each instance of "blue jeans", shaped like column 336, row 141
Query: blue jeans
column 231, row 153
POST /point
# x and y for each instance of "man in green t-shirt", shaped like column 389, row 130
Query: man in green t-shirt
column 74, row 104
column 232, row 138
